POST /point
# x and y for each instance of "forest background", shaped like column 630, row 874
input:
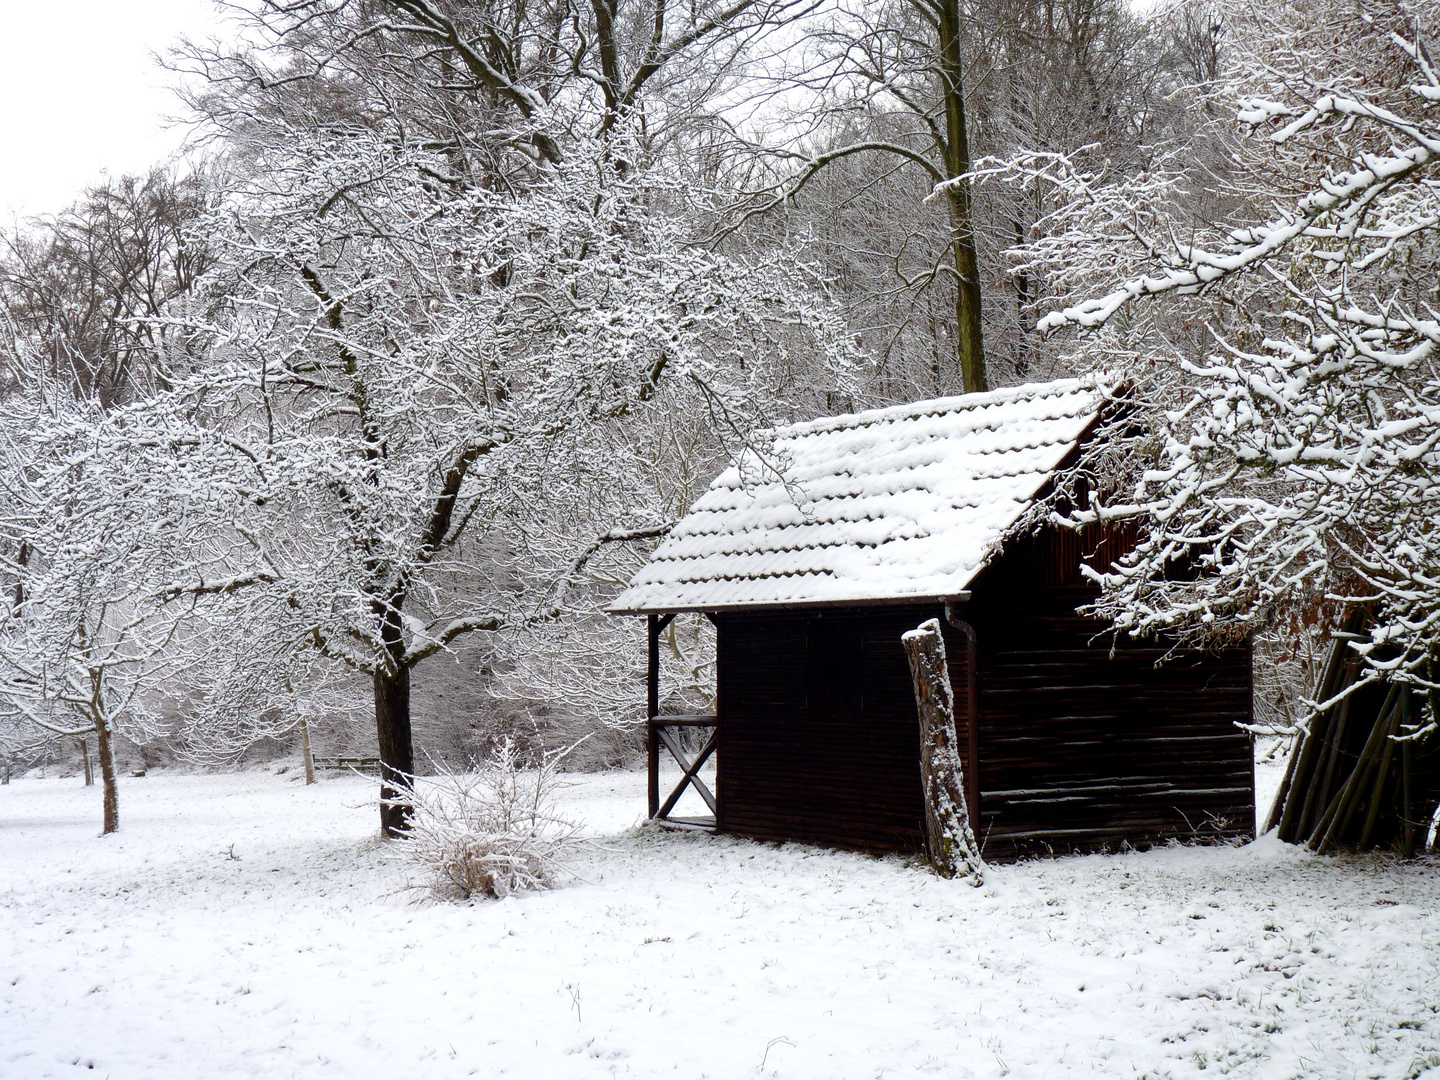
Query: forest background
column 361, row 414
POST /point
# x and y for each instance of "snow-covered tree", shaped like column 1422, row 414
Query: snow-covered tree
column 412, row 378
column 1303, row 464
column 491, row 87
column 1293, row 469
column 88, row 645
column 255, row 676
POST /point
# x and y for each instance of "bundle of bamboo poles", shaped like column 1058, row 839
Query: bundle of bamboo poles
column 1358, row 777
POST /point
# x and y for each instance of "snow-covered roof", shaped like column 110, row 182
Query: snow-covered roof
column 892, row 504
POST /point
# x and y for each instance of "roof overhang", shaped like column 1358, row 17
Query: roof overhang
column 800, row 605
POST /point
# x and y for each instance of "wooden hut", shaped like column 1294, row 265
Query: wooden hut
column 812, row 560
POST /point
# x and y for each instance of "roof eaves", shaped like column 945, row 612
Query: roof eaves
column 958, row 597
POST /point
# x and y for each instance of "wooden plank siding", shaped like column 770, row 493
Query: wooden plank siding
column 1078, row 749
column 819, row 735
column 1087, row 741
column 1081, row 750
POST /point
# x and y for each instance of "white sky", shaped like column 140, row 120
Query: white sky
column 80, row 94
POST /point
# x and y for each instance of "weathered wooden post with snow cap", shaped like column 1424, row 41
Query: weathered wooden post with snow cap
column 949, row 840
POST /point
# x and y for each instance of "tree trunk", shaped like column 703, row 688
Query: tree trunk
column 397, row 753
column 22, row 559
column 111, row 793
column 85, row 758
column 305, row 751
column 969, row 345
column 949, row 840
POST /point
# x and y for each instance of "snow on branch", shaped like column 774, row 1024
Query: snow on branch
column 424, row 645
column 1290, row 453
column 216, row 586
column 567, row 579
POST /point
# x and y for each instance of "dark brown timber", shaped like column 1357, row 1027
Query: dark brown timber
column 1077, row 743
column 655, row 625
column 1365, row 771
column 397, row 753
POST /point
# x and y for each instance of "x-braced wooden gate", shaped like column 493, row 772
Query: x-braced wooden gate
column 662, row 730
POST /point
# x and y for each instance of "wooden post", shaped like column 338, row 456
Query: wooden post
column 719, row 729
column 652, row 710
column 949, row 840
column 1407, row 801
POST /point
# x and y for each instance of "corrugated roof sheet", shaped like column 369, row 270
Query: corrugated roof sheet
column 898, row 503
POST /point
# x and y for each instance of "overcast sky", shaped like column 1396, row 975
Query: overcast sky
column 80, row 94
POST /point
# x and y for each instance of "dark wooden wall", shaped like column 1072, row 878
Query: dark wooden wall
column 1084, row 741
column 818, row 739
column 1079, row 749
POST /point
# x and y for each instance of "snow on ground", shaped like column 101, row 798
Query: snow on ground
column 247, row 926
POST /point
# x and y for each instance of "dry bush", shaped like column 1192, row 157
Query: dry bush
column 488, row 833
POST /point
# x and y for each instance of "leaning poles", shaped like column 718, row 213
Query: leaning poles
column 949, row 840
column 1365, row 770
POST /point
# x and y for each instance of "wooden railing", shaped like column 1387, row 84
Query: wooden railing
column 344, row 764
column 661, row 735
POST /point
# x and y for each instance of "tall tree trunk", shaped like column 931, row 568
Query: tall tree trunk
column 305, row 751
column 969, row 346
column 85, row 759
column 397, row 752
column 110, row 796
column 949, row 840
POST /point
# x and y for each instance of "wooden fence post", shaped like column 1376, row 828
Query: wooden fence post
column 949, row 839
column 652, row 710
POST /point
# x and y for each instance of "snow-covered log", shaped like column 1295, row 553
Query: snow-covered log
column 949, row 838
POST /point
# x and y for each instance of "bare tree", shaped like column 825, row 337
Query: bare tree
column 886, row 101
column 905, row 61
column 88, row 288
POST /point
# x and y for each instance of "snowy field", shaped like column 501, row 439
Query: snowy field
column 247, row 926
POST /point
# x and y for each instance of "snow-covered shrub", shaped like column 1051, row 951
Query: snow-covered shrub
column 488, row 833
